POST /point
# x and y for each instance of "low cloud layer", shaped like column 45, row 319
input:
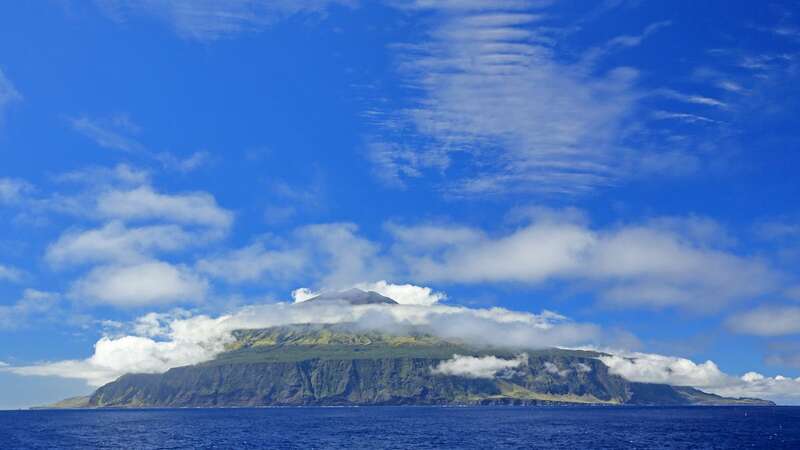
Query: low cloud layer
column 652, row 368
column 157, row 342
column 478, row 367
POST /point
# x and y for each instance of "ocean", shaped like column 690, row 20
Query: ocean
column 405, row 427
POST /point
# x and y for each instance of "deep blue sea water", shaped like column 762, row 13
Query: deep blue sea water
column 405, row 427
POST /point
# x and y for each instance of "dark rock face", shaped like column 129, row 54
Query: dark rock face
column 326, row 365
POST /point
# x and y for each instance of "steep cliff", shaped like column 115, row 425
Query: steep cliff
column 334, row 365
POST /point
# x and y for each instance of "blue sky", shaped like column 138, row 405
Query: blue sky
column 629, row 165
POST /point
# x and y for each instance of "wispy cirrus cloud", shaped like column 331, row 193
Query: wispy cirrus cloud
column 499, row 110
column 8, row 273
column 119, row 132
column 695, row 99
column 118, row 175
column 595, row 54
column 8, row 94
column 502, row 98
column 33, row 306
column 207, row 20
column 113, row 133
column 187, row 164
column 13, row 190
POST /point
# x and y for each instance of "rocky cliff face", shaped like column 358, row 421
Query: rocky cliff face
column 330, row 365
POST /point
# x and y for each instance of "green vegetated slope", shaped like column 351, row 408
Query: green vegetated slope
column 333, row 365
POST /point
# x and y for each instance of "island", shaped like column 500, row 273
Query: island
column 341, row 365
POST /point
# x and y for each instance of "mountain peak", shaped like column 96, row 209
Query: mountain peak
column 354, row 296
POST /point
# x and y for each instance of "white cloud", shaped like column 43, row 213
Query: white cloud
column 777, row 230
column 553, row 369
column 121, row 174
column 477, row 367
column 332, row 255
column 464, row 5
column 302, row 294
column 686, row 117
column 687, row 263
column 116, row 133
column 620, row 42
column 108, row 133
column 33, row 306
column 146, row 283
column 651, row 368
column 691, row 98
column 487, row 86
column 532, row 254
column 13, row 191
column 674, row 262
column 162, row 341
column 115, row 357
column 730, row 86
column 187, row 164
column 427, row 236
column 341, row 258
column 206, row 20
column 405, row 294
column 8, row 273
column 8, row 94
column 142, row 203
column 255, row 263
column 781, row 389
column 127, row 271
column 116, row 243
column 767, row 321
